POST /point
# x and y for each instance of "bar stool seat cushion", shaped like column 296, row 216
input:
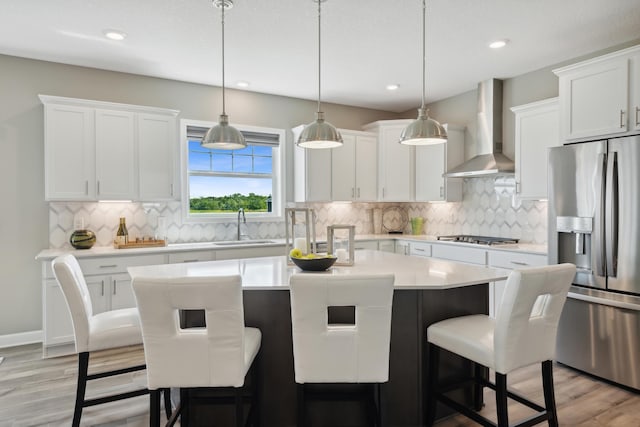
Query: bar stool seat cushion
column 469, row 336
column 116, row 328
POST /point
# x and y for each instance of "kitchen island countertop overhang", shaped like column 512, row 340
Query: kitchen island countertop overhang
column 274, row 272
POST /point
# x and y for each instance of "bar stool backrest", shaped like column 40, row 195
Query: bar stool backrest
column 210, row 356
column 527, row 323
column 68, row 273
column 326, row 353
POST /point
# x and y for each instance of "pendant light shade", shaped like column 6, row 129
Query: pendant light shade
column 319, row 134
column 223, row 136
column 424, row 130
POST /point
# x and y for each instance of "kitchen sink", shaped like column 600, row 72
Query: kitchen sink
column 243, row 243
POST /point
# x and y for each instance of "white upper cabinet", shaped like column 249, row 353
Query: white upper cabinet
column 432, row 161
column 395, row 161
column 311, row 171
column 354, row 167
column 115, row 155
column 599, row 97
column 105, row 151
column 69, row 153
column 537, row 129
column 157, row 157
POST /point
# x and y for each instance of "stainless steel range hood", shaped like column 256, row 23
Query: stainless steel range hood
column 489, row 159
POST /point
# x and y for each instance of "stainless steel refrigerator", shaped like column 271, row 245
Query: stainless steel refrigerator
column 594, row 222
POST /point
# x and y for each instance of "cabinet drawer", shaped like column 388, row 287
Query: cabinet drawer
column 511, row 260
column 460, row 253
column 371, row 244
column 420, row 249
column 192, row 256
column 118, row 264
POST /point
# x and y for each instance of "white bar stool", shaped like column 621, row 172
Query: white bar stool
column 341, row 353
column 93, row 332
column 524, row 333
column 218, row 355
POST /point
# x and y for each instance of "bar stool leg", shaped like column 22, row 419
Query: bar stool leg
column 154, row 408
column 83, row 367
column 184, row 404
column 501, row 400
column 549, row 396
column 239, row 407
column 255, row 396
column 166, row 392
column 300, row 405
column 478, row 398
column 432, row 385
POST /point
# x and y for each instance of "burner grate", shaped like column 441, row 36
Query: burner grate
column 478, row 240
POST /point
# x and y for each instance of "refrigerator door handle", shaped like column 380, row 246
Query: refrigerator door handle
column 599, row 244
column 611, row 222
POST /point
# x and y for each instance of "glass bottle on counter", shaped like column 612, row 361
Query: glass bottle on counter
column 122, row 235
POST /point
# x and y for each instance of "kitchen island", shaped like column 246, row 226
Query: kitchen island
column 426, row 291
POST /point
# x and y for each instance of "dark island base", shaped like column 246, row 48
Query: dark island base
column 404, row 394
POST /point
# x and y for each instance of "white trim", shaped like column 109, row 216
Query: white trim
column 278, row 175
column 23, row 338
column 60, row 100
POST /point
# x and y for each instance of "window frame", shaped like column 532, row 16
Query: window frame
column 278, row 176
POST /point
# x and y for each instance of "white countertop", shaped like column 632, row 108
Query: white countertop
column 101, row 251
column 274, row 272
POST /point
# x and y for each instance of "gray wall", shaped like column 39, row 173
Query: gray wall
column 24, row 223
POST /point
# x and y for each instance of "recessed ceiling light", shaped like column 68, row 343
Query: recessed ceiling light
column 498, row 44
column 115, row 34
column 242, row 83
column 392, row 87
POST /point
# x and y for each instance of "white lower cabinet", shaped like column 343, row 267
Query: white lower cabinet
column 365, row 244
column 387, row 245
column 192, row 256
column 460, row 253
column 402, row 247
column 508, row 260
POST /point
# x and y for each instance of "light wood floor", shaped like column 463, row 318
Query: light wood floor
column 41, row 392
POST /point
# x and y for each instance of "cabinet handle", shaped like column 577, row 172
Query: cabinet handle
column 621, row 118
column 383, row 192
column 102, row 288
column 109, row 266
column 115, row 285
column 419, row 250
column 637, row 120
column 171, row 190
column 191, row 260
column 86, row 188
column 519, row 263
column 358, row 192
column 352, row 193
column 98, row 187
column 441, row 191
column 517, row 187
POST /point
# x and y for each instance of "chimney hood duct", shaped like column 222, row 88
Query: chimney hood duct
column 489, row 159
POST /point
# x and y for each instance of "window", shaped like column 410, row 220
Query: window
column 219, row 182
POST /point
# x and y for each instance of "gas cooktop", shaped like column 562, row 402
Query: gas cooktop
column 479, row 240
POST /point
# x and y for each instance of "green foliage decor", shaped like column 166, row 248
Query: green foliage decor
column 231, row 203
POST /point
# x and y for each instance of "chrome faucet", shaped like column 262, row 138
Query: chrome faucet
column 244, row 219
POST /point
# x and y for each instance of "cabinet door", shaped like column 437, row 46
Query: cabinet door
column 430, row 161
column 57, row 325
column 115, row 155
column 402, row 247
column 157, row 154
column 420, row 249
column 537, row 129
column 395, row 170
column 594, row 99
column 69, row 153
column 99, row 292
column 366, row 165
column 343, row 175
column 312, row 175
column 634, row 110
column 386, row 245
column 122, row 295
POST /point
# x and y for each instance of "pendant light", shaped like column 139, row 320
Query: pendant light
column 319, row 134
column 424, row 130
column 223, row 136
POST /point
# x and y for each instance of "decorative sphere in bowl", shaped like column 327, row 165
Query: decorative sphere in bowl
column 317, row 263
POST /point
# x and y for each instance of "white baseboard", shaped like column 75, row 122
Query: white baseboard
column 22, row 338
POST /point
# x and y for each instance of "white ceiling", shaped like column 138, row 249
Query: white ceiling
column 367, row 44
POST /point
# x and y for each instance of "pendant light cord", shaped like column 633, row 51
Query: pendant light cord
column 223, row 110
column 319, row 50
column 424, row 49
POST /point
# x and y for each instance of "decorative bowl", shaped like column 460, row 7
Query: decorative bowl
column 314, row 264
column 82, row 239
